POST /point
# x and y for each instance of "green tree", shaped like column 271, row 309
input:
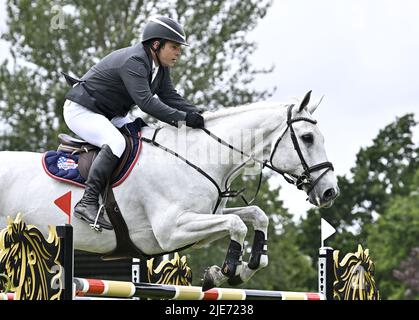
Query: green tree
column 48, row 37
column 391, row 239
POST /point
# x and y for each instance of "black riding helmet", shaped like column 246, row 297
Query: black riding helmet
column 164, row 28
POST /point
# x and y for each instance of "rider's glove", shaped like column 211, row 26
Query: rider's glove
column 194, row 120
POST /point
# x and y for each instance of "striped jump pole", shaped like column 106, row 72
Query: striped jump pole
column 7, row 296
column 122, row 289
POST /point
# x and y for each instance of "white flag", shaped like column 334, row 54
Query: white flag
column 326, row 230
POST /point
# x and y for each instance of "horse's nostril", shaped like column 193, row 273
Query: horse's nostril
column 329, row 194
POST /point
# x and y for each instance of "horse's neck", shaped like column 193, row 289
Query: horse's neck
column 250, row 130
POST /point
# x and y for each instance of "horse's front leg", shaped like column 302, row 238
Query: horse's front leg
column 190, row 227
column 258, row 256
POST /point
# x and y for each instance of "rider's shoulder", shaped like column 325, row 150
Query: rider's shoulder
column 134, row 56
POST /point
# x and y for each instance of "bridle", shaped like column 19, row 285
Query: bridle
column 304, row 179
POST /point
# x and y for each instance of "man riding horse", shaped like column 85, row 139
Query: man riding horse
column 98, row 103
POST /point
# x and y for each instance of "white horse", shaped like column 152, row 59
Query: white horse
column 167, row 204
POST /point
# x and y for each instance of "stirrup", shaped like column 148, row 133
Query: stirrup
column 95, row 226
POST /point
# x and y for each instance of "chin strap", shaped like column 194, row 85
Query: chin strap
column 156, row 51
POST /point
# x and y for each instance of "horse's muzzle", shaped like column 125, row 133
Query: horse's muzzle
column 326, row 199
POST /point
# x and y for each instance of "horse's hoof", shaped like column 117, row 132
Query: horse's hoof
column 235, row 281
column 207, row 281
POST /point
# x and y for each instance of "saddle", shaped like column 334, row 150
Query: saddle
column 87, row 153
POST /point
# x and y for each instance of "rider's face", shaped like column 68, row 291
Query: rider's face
column 169, row 53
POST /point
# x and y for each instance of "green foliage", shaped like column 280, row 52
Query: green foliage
column 49, row 37
column 386, row 166
column 390, row 241
column 34, row 120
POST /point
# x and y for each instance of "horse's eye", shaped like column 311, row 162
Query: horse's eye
column 307, row 138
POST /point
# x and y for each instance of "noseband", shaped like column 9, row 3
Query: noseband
column 305, row 177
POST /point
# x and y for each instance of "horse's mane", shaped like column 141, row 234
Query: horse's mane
column 223, row 112
column 227, row 111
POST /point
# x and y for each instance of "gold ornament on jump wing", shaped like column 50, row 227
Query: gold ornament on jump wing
column 175, row 271
column 30, row 262
column 354, row 276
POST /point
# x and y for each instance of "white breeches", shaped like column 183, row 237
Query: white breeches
column 93, row 127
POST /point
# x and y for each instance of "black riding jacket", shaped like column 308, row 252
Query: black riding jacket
column 123, row 79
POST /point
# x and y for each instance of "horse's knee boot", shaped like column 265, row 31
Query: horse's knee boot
column 258, row 249
column 232, row 260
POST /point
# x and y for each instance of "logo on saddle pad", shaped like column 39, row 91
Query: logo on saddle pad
column 65, row 163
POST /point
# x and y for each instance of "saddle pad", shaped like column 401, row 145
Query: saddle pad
column 63, row 166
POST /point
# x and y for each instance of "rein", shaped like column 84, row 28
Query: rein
column 298, row 180
column 221, row 194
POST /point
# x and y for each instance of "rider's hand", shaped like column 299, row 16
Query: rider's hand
column 194, row 120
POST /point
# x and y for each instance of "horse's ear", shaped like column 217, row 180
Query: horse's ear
column 305, row 101
column 313, row 107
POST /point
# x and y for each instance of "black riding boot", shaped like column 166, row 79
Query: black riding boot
column 100, row 172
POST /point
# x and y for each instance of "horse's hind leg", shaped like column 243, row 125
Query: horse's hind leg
column 190, row 227
column 258, row 257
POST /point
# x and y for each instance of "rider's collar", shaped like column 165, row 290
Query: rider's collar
column 154, row 70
